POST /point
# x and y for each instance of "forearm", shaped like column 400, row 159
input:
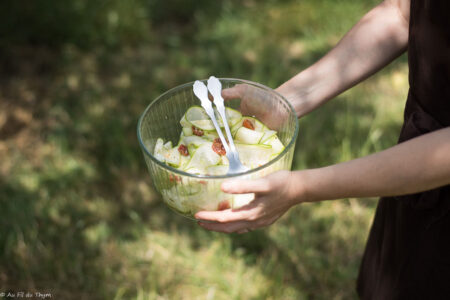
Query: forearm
column 379, row 37
column 410, row 167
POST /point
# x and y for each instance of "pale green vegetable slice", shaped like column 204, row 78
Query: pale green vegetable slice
column 267, row 135
column 203, row 157
column 187, row 131
column 194, row 140
column 257, row 124
column 160, row 157
column 172, row 157
column 248, row 136
column 159, row 150
column 254, row 156
column 203, row 124
column 195, row 170
column 240, row 200
column 217, row 170
column 211, row 135
column 277, row 145
column 184, row 123
column 233, row 116
column 197, row 116
column 191, row 149
column 235, row 128
column 184, row 160
column 168, row 145
column 159, row 145
column 196, row 112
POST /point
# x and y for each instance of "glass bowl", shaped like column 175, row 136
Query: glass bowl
column 189, row 193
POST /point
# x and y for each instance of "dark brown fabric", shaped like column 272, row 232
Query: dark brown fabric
column 407, row 255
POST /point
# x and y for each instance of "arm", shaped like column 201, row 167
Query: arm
column 414, row 166
column 378, row 38
column 417, row 165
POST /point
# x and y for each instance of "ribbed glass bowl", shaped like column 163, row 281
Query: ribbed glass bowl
column 189, row 193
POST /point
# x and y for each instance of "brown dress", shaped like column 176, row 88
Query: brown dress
column 407, row 255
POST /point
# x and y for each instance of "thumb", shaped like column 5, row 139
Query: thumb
column 243, row 186
column 236, row 91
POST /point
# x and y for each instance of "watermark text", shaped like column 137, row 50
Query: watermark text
column 22, row 294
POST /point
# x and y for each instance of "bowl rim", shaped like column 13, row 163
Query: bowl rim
column 199, row 176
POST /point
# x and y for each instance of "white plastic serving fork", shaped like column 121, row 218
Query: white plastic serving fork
column 215, row 87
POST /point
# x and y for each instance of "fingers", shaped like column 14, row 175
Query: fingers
column 225, row 216
column 239, row 227
column 248, row 212
column 247, row 218
column 260, row 185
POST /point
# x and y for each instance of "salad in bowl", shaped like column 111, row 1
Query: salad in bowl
column 187, row 160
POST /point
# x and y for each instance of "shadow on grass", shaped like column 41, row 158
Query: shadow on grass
column 43, row 248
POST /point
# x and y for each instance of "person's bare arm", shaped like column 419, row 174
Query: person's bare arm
column 417, row 165
column 420, row 164
column 378, row 38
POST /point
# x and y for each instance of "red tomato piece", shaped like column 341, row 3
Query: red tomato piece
column 218, row 147
column 197, row 131
column 248, row 124
column 183, row 150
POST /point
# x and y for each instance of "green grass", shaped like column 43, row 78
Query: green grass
column 79, row 217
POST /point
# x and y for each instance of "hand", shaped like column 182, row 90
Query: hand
column 258, row 103
column 274, row 195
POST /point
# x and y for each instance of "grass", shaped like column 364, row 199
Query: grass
column 79, row 218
